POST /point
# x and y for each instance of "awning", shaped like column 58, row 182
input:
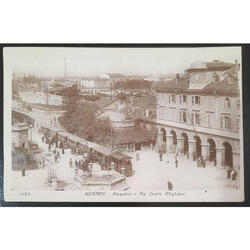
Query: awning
column 102, row 150
column 120, row 156
column 64, row 134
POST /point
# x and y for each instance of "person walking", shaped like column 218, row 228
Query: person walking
column 170, row 186
column 194, row 156
column 203, row 162
column 43, row 162
column 176, row 162
column 70, row 163
column 160, row 155
column 228, row 173
column 137, row 156
column 76, row 163
column 198, row 163
column 234, row 175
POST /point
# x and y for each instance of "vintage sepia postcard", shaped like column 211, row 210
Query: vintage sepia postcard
column 123, row 124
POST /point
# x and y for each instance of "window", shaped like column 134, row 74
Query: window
column 227, row 103
column 183, row 99
column 225, row 122
column 195, row 118
column 196, row 100
column 183, row 116
column 172, row 98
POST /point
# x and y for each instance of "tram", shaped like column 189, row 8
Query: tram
column 103, row 155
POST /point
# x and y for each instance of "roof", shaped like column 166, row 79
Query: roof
column 209, row 66
column 74, row 138
column 119, row 156
column 55, row 129
column 64, row 133
column 103, row 150
column 181, row 83
column 135, row 136
column 225, row 85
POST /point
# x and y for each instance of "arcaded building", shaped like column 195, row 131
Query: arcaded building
column 201, row 113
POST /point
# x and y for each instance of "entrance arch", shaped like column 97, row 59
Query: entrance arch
column 228, row 155
column 174, row 141
column 198, row 145
column 163, row 135
column 174, row 137
column 212, row 150
column 185, row 143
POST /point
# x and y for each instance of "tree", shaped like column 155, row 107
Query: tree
column 84, row 123
column 71, row 99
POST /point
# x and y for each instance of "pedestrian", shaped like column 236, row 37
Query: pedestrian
column 176, row 162
column 170, row 186
column 43, row 139
column 70, row 163
column 63, row 151
column 76, row 163
column 198, row 163
column 234, row 175
column 229, row 173
column 49, row 147
column 43, row 162
column 137, row 156
column 203, row 162
column 194, row 156
column 160, row 155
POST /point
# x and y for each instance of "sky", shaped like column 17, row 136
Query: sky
column 47, row 61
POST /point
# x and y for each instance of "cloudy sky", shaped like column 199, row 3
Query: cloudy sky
column 96, row 61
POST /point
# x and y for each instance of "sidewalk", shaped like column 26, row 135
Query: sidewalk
column 153, row 174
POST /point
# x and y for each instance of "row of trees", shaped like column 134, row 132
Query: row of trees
column 80, row 118
column 133, row 84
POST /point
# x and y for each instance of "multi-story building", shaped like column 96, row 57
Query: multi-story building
column 40, row 97
column 201, row 113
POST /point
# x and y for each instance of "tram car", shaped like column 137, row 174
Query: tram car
column 122, row 161
column 105, row 156
column 101, row 155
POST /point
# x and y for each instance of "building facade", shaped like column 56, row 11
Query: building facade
column 201, row 114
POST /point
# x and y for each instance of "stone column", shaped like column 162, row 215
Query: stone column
column 191, row 148
column 220, row 157
column 205, row 151
column 169, row 143
column 236, row 160
column 180, row 145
